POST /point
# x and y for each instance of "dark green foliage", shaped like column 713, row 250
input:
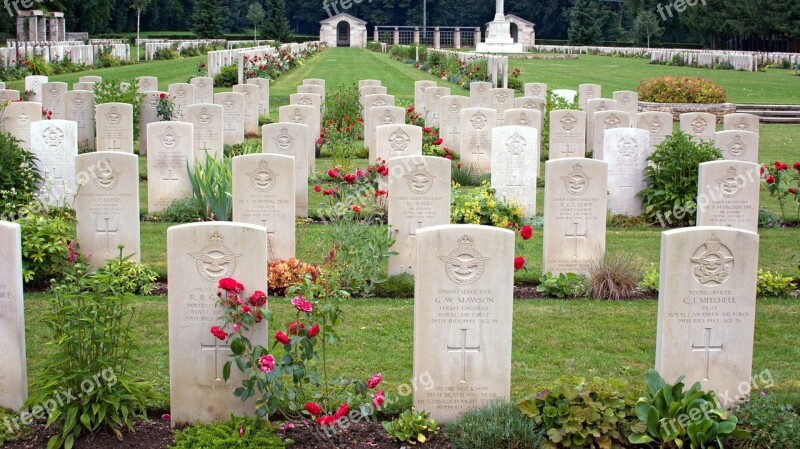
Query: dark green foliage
column 277, row 27
column 669, row 416
column 90, row 357
column 166, row 54
column 578, row 413
column 187, row 210
column 207, row 19
column 374, row 46
column 18, row 175
column 396, row 286
column 45, row 248
column 497, row 425
column 258, row 434
column 228, row 76
column 772, row 424
column 671, row 194
column 130, row 276
column 586, row 22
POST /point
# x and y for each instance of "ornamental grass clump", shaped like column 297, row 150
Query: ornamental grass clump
column 681, row 89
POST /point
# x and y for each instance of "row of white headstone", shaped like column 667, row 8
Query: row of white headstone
column 463, row 314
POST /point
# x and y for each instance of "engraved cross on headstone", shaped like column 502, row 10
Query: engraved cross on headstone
column 115, row 146
column 170, row 178
column 515, row 181
column 575, row 236
column 569, row 151
column 478, row 150
column 463, row 349
column 412, row 231
column 216, row 347
column 107, row 231
column 708, row 348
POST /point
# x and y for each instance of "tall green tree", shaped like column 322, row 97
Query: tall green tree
column 208, row 19
column 255, row 14
column 277, row 27
column 139, row 6
column 586, row 19
column 646, row 27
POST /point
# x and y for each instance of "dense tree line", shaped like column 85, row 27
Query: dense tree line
column 716, row 23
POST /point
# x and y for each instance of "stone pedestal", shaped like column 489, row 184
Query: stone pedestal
column 457, row 38
column 498, row 38
column 436, row 38
column 33, row 33
column 21, row 34
column 396, row 36
column 416, row 35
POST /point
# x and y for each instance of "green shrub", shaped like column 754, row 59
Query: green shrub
column 479, row 206
column 496, row 425
column 396, row 286
column 211, row 184
column 773, row 285
column 767, row 219
column 45, row 248
column 374, row 46
column 128, row 275
column 360, row 255
column 412, row 426
column 113, row 92
column 616, row 276
column 18, row 175
column 252, row 146
column 228, row 76
column 772, row 424
column 565, row 285
column 650, row 279
column 577, row 413
column 187, row 210
column 467, row 175
column 91, row 357
column 681, row 89
column 236, row 432
column 669, row 416
column 671, row 194
column 165, row 53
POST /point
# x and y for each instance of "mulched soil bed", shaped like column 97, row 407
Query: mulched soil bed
column 157, row 434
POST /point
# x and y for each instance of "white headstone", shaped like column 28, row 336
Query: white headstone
column 419, row 95
column 476, row 137
column 170, row 149
column 33, row 84
column 658, row 124
column 737, row 145
column 728, row 195
column 567, row 134
column 575, row 205
column 13, row 370
column 515, row 165
column 107, row 206
column 264, row 195
column 203, row 89
column 182, row 96
column 628, row 101
column 16, row 118
column 462, row 318
column 433, row 110
column 530, row 118
column 114, row 127
column 86, row 85
column 538, row 90
column 501, row 100
column 741, row 121
column 54, row 99
column 592, row 106
column 9, row 95
column 251, row 108
column 291, row 139
column 706, row 309
column 397, row 140
column 567, row 95
column 588, row 92
column 147, row 115
column 380, row 116
column 305, row 115
column 479, row 94
column 90, row 79
column 80, row 109
column 147, row 83
column 55, row 145
column 208, row 130
column 232, row 116
column 198, row 256
column 365, row 83
column 626, row 150
column 450, row 120
column 263, row 94
column 700, row 125
column 604, row 121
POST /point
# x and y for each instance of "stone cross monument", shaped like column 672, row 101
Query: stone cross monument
column 498, row 34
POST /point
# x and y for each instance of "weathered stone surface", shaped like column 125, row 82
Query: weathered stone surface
column 13, row 370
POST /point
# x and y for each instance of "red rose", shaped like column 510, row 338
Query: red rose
column 519, row 262
column 349, row 178
column 162, row 95
column 374, row 381
column 792, row 190
column 778, row 165
column 301, row 304
column 438, row 141
column 295, row 327
column 796, row 165
column 426, row 129
column 449, row 157
column 342, row 411
column 228, row 284
column 328, row 192
column 258, row 298
column 313, row 409
column 326, row 420
column 317, row 188
column 770, row 179
column 313, row 331
column 333, row 173
column 355, row 208
column 282, row 338
column 761, row 171
column 219, row 333
column 526, row 232
column 410, row 110
column 246, row 309
column 458, row 166
column 378, row 399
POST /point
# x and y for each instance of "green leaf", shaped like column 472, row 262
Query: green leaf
column 640, row 438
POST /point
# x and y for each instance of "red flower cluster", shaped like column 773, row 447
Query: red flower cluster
column 378, row 400
column 796, row 166
column 329, row 420
column 779, row 166
column 526, row 232
column 295, row 327
column 356, row 208
column 374, row 381
column 219, row 333
column 519, row 262
column 230, row 285
column 313, row 331
column 258, row 298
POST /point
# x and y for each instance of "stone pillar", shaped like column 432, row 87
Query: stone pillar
column 62, row 28
column 21, row 31
column 375, row 36
column 416, row 35
column 437, row 38
column 53, row 35
column 396, row 36
column 33, row 32
column 477, row 36
column 42, row 29
column 457, row 38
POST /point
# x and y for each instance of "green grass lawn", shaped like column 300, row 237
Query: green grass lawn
column 551, row 337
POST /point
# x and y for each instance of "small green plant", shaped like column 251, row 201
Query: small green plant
column 650, row 279
column 467, row 175
column 412, row 427
column 565, row 285
column 18, row 175
column 671, row 417
column 166, row 53
column 681, row 89
column 772, row 424
column 236, row 432
column 211, row 183
column 228, row 76
column 128, row 275
column 252, row 146
column 578, row 413
column 479, row 206
column 496, row 425
column 186, row 210
column 670, row 197
column 91, row 357
column 773, row 285
column 783, row 184
column 165, row 107
column 615, row 277
column 47, row 248
column 396, row 286
column 38, row 66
